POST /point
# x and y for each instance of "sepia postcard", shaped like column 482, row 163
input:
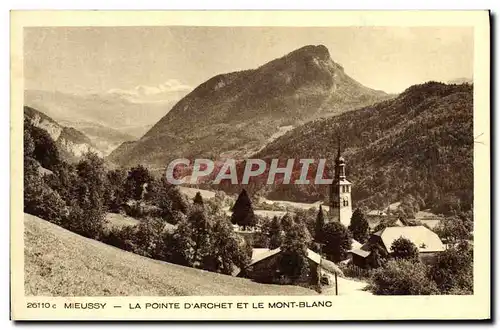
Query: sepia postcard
column 250, row 165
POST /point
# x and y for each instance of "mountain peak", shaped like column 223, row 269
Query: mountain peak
column 237, row 113
column 318, row 51
column 307, row 59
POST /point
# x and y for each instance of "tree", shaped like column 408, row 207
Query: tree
column 40, row 199
column 148, row 238
column 115, row 193
column 359, row 226
column 172, row 203
column 180, row 249
column 403, row 248
column 87, row 207
column 136, row 183
column 286, row 222
column 208, row 242
column 29, row 144
column 319, row 224
column 453, row 270
column 293, row 262
column 243, row 214
column 45, row 150
column 275, row 233
column 384, row 223
column 198, row 200
column 228, row 250
column 64, row 179
column 402, row 277
column 456, row 229
column 337, row 240
column 201, row 235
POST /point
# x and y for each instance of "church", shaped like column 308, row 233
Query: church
column 340, row 193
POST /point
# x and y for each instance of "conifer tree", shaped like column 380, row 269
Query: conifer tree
column 318, row 228
column 243, row 214
column 359, row 226
column 275, row 233
column 198, row 200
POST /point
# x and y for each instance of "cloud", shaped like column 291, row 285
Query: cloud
column 166, row 91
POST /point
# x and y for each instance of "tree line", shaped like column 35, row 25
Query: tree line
column 78, row 196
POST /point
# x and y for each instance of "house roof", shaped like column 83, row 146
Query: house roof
column 361, row 253
column 260, row 254
column 355, row 245
column 376, row 212
column 423, row 238
column 374, row 221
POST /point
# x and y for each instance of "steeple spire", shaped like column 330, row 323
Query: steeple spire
column 338, row 145
column 339, row 162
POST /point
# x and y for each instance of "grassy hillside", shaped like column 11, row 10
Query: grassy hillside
column 420, row 143
column 61, row 263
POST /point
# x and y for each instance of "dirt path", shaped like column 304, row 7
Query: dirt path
column 347, row 287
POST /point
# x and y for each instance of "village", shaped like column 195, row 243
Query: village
column 383, row 230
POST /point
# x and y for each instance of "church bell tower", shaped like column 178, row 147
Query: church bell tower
column 340, row 193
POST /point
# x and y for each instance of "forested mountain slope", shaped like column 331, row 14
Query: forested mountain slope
column 418, row 144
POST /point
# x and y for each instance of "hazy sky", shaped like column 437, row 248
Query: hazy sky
column 96, row 60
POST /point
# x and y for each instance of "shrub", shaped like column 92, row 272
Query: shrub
column 89, row 222
column 259, row 240
column 122, row 238
column 453, row 270
column 402, row 277
column 403, row 248
column 148, row 238
column 455, row 229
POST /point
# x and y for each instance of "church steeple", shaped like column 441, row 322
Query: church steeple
column 340, row 191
